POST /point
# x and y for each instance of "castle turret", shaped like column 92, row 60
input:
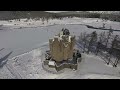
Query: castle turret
column 61, row 47
column 62, row 53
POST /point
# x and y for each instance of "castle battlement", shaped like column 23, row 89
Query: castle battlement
column 62, row 54
column 61, row 47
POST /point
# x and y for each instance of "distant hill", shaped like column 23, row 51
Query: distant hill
column 78, row 14
column 106, row 12
column 109, row 15
column 101, row 12
column 8, row 15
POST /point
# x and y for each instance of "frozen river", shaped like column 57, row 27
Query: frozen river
column 23, row 40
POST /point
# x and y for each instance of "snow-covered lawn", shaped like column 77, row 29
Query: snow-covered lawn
column 29, row 66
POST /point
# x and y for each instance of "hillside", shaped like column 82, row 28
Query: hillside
column 109, row 15
column 8, row 15
column 78, row 14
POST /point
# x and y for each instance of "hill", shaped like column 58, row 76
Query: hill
column 8, row 15
column 109, row 15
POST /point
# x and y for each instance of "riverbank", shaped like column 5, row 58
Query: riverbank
column 26, row 23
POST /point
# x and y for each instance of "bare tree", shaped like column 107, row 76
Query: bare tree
column 93, row 39
column 112, row 50
column 89, row 41
column 83, row 40
column 117, row 60
column 108, row 37
column 101, row 39
column 43, row 19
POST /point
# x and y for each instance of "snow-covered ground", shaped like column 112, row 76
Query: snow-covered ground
column 34, row 35
column 36, row 23
column 29, row 66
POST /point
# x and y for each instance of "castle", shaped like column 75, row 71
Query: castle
column 62, row 53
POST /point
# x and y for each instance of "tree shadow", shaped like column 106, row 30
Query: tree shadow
column 1, row 49
column 4, row 59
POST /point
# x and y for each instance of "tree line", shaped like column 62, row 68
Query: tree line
column 104, row 44
column 9, row 15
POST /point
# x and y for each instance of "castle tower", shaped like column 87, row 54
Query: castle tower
column 61, row 47
column 62, row 54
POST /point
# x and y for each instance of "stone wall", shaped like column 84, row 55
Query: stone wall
column 61, row 48
column 63, row 65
